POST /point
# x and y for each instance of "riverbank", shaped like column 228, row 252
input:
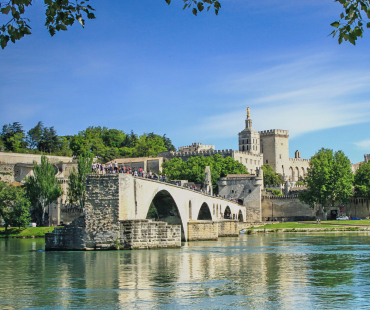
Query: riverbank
column 28, row 232
column 327, row 226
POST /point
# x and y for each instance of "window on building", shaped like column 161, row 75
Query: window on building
column 241, row 160
column 280, row 156
column 255, row 162
column 251, row 161
column 281, row 144
column 267, row 161
column 259, row 162
column 250, row 191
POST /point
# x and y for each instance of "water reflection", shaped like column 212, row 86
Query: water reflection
column 253, row 272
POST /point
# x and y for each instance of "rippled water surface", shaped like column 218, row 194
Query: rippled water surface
column 281, row 271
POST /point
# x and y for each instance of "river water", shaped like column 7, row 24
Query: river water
column 272, row 271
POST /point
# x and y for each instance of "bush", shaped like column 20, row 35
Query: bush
column 275, row 192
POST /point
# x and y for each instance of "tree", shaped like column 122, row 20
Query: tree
column 270, row 177
column 193, row 169
column 350, row 26
column 63, row 13
column 14, row 205
column 77, row 180
column 42, row 188
column 34, row 135
column 362, row 181
column 12, row 136
column 168, row 144
column 328, row 180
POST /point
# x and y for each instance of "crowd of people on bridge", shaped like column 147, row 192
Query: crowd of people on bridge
column 112, row 168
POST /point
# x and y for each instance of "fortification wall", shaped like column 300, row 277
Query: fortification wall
column 288, row 208
column 13, row 158
column 253, row 206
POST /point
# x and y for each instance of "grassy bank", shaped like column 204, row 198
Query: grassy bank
column 326, row 226
column 28, row 232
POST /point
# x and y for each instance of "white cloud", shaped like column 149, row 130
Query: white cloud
column 364, row 144
column 302, row 95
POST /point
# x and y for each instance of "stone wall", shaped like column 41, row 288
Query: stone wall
column 228, row 228
column 202, row 230
column 288, row 208
column 14, row 158
column 253, row 205
column 7, row 173
column 145, row 234
column 102, row 210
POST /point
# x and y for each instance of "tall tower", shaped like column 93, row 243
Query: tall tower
column 275, row 149
column 249, row 139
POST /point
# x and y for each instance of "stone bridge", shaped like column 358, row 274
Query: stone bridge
column 148, row 199
column 122, row 211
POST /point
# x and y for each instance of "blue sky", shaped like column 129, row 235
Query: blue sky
column 149, row 67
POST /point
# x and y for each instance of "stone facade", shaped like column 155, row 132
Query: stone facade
column 196, row 147
column 145, row 234
column 249, row 139
column 275, row 149
column 246, row 190
column 202, row 230
column 228, row 228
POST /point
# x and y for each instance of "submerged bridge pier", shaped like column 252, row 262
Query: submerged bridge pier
column 123, row 211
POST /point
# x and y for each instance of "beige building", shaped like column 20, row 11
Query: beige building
column 196, row 147
column 255, row 149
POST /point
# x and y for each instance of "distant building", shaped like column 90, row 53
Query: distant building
column 255, row 149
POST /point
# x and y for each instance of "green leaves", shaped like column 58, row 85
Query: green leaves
column 59, row 15
column 329, row 179
column 199, row 5
column 193, row 169
column 17, row 27
column 350, row 25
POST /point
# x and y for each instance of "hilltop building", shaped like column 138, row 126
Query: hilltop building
column 255, row 149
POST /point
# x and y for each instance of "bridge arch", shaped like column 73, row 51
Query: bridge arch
column 166, row 210
column 204, row 212
column 240, row 216
column 227, row 213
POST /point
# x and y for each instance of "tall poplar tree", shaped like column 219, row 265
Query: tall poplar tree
column 43, row 187
column 328, row 180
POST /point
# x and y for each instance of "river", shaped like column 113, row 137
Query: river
column 272, row 271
